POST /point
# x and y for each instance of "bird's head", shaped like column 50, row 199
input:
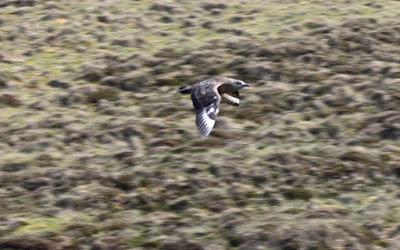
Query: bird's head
column 238, row 84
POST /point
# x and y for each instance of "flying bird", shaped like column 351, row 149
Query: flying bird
column 206, row 97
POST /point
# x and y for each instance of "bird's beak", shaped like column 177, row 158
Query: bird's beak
column 246, row 85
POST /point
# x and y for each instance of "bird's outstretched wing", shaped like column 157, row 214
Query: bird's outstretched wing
column 206, row 103
column 205, row 119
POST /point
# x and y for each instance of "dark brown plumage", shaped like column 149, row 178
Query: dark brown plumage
column 206, row 97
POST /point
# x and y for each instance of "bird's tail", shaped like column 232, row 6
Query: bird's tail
column 185, row 90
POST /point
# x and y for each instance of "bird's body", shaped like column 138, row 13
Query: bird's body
column 207, row 96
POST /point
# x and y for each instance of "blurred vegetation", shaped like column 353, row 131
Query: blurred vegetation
column 98, row 150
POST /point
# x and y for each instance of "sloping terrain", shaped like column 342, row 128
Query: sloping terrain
column 99, row 151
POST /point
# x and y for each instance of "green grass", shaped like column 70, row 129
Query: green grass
column 271, row 18
column 84, row 161
column 41, row 225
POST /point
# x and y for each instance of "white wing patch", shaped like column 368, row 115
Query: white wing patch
column 204, row 123
column 231, row 99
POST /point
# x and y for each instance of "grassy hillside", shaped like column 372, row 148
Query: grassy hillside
column 99, row 151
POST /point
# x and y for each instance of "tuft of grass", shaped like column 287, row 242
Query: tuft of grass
column 109, row 94
column 15, row 161
column 40, row 225
column 142, row 241
column 297, row 193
